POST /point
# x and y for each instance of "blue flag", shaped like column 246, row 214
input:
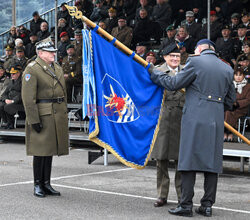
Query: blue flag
column 126, row 114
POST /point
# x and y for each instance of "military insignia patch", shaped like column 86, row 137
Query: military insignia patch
column 27, row 77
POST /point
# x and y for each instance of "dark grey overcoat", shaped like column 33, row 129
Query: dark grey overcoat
column 168, row 139
column 209, row 86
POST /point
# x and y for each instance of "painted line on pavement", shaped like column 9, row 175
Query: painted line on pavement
column 67, row 177
column 141, row 197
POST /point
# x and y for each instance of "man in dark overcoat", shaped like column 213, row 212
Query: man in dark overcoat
column 46, row 126
column 209, row 87
column 168, row 139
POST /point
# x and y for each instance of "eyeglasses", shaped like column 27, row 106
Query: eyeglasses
column 174, row 56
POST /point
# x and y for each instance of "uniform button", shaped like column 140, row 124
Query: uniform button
column 55, row 112
column 209, row 96
column 219, row 99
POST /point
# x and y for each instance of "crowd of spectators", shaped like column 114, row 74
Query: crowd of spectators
column 146, row 26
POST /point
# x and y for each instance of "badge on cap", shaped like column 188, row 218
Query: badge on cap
column 27, row 77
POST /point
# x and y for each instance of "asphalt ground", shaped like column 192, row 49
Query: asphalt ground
column 106, row 192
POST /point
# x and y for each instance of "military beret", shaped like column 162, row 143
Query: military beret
column 212, row 12
column 150, row 53
column 78, row 32
column 226, row 26
column 205, row 41
column 64, row 33
column 242, row 26
column 20, row 49
column 15, row 68
column 122, row 17
column 70, row 46
column 171, row 48
column 189, row 14
column 46, row 45
column 8, row 47
column 1, row 67
column 170, row 27
column 235, row 15
column 246, row 43
column 112, row 10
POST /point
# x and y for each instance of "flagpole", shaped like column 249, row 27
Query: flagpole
column 73, row 11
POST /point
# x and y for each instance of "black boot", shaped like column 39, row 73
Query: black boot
column 38, row 174
column 38, row 189
column 47, row 173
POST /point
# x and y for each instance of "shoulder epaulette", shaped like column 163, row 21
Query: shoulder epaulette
column 194, row 55
column 32, row 63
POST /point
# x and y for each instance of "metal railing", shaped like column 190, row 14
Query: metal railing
column 49, row 16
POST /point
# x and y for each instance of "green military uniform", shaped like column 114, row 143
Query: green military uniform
column 78, row 47
column 72, row 66
column 168, row 139
column 38, row 83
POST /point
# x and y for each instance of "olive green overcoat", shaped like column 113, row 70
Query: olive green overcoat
column 168, row 139
column 38, row 83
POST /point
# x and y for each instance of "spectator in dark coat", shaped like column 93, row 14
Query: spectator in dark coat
column 63, row 13
column 62, row 44
column 143, row 5
column 86, row 7
column 30, row 49
column 62, row 27
column 224, row 46
column 162, row 13
column 141, row 49
column 11, row 101
column 100, row 11
column 215, row 28
column 12, row 36
column 129, row 10
column 74, row 22
column 36, row 22
column 182, row 36
column 235, row 21
column 23, row 33
column 44, row 31
column 229, row 7
column 192, row 27
column 112, row 20
column 143, row 29
column 171, row 32
column 245, row 19
column 240, row 39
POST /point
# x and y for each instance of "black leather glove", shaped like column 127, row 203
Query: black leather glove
column 37, row 127
column 235, row 106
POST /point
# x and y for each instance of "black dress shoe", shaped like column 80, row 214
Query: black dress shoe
column 38, row 191
column 206, row 211
column 50, row 191
column 160, row 202
column 187, row 212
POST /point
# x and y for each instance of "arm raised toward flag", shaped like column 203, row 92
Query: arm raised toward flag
column 73, row 11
